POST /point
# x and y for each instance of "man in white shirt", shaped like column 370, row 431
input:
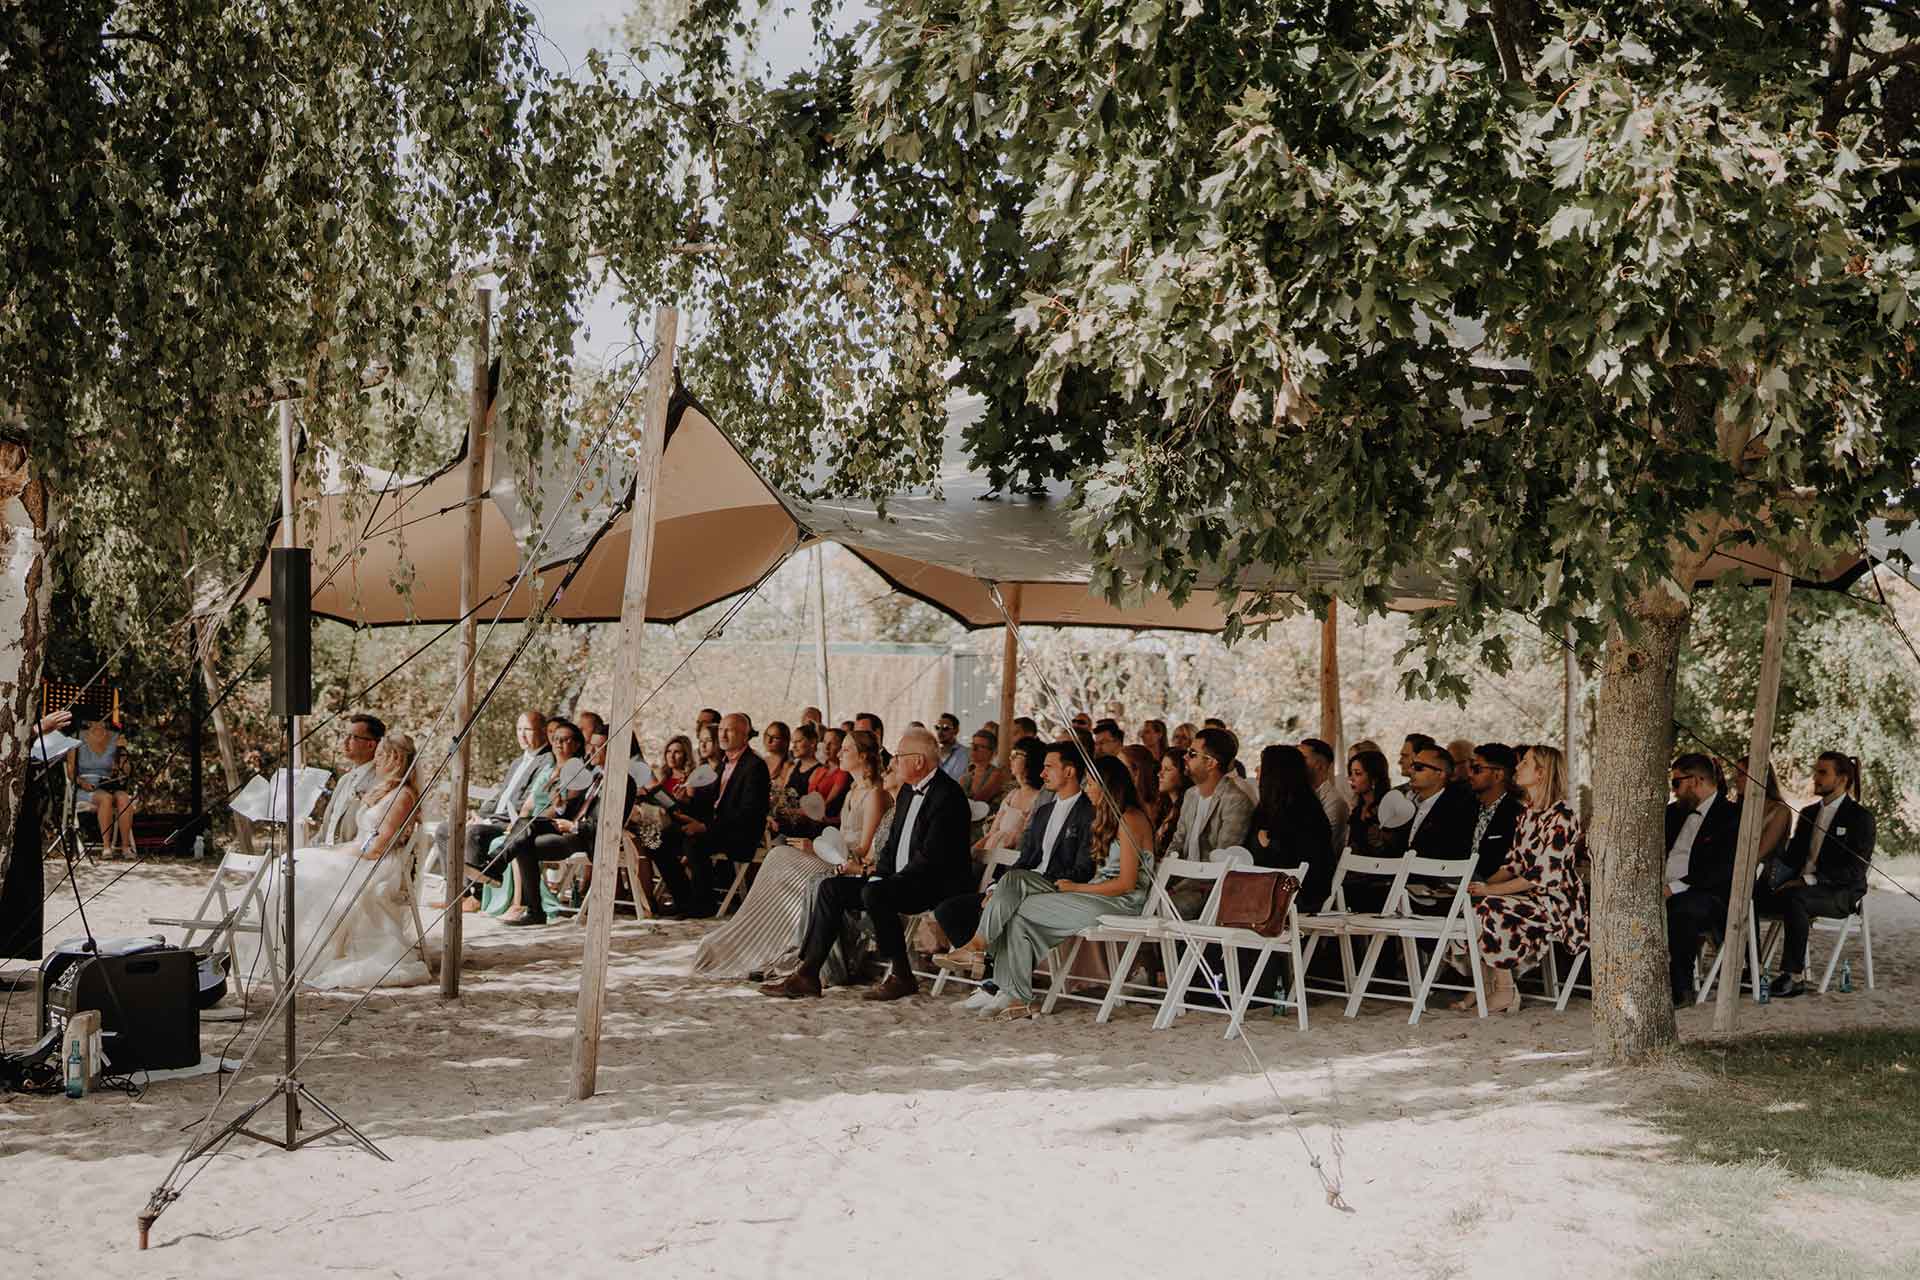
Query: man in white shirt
column 1055, row 842
column 1320, row 772
column 1701, row 830
column 1826, row 864
column 340, row 823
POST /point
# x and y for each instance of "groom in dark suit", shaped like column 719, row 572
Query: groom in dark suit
column 924, row 862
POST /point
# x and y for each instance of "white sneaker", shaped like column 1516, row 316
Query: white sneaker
column 979, row 1000
column 1001, row 1000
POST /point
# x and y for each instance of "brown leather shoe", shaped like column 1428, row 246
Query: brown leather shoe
column 895, row 987
column 797, row 987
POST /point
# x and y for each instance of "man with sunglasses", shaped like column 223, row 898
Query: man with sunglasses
column 1489, row 772
column 358, row 741
column 1702, row 829
column 1214, row 813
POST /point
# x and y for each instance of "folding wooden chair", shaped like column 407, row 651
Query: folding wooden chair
column 1844, row 928
column 996, row 859
column 742, row 875
column 1332, row 923
column 210, row 929
column 1194, row 938
column 1397, row 920
column 1123, row 936
column 1758, row 949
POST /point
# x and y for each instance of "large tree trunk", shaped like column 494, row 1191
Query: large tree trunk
column 25, row 591
column 1633, row 736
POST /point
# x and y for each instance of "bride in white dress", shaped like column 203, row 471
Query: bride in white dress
column 353, row 926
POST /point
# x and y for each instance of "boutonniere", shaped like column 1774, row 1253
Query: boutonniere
column 1839, row 831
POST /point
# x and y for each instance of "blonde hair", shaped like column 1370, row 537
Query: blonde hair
column 1551, row 789
column 388, row 776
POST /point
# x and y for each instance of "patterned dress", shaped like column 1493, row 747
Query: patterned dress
column 1517, row 929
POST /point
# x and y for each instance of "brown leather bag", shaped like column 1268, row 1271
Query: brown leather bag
column 1256, row 900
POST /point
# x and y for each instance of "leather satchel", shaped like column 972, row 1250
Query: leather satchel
column 1257, row 900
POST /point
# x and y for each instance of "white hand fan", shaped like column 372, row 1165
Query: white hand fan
column 830, row 848
column 814, row 805
column 1396, row 810
column 704, row 776
column 978, row 808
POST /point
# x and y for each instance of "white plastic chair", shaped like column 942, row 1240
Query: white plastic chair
column 1332, row 923
column 1758, row 948
column 1844, row 928
column 1458, row 924
column 1194, row 938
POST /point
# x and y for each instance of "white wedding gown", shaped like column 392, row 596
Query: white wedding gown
column 353, row 926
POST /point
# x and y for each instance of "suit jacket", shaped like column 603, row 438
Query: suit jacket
column 342, row 819
column 587, row 823
column 1447, row 830
column 736, row 818
column 1710, row 867
column 1846, row 850
column 1226, row 826
column 1491, row 853
column 942, row 848
column 1072, row 851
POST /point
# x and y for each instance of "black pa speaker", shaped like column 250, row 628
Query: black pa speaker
column 292, row 629
column 147, row 994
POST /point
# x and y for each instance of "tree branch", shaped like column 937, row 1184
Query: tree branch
column 1509, row 22
column 1839, row 58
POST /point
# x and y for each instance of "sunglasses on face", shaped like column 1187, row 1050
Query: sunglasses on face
column 1418, row 765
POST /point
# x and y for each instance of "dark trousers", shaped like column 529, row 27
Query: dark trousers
column 480, row 836
column 1692, row 914
column 532, row 847
column 959, row 916
column 1798, row 906
column 884, row 900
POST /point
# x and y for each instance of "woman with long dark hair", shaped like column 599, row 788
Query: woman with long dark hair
column 1290, row 826
column 1367, row 775
column 1172, row 782
column 1028, row 914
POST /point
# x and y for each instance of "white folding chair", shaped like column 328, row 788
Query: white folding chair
column 210, row 929
column 1331, row 923
column 1458, row 924
column 1758, row 948
column 1194, row 938
column 1122, row 936
column 1560, row 991
column 742, row 873
column 996, row 858
column 1844, row 928
column 419, row 849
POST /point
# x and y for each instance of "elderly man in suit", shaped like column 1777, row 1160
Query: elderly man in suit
column 926, row 860
column 1827, row 857
column 1702, row 828
column 729, row 816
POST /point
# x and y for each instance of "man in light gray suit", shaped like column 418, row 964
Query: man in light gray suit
column 1214, row 814
column 358, row 742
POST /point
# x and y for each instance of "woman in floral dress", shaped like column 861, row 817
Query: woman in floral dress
column 1537, row 898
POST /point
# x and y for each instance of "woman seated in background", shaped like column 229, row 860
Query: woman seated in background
column 676, row 762
column 1536, row 899
column 1290, row 826
column 765, row 934
column 1010, row 822
column 1145, row 769
column 557, row 792
column 985, row 780
column 98, row 767
column 1777, row 822
column 776, row 743
column 1153, row 736
column 806, row 756
column 1367, row 775
column 1028, row 914
column 1172, row 782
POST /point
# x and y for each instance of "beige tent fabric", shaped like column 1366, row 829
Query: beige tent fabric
column 393, row 555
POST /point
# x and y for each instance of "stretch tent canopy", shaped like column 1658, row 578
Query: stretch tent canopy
column 387, row 550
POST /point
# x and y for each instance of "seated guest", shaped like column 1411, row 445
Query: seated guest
column 983, row 779
column 806, row 757
column 923, row 863
column 1026, row 761
column 1367, row 776
column 1029, row 914
column 953, row 756
column 766, row 934
column 1082, row 723
column 1182, row 737
column 358, row 742
column 1537, row 898
column 1290, row 827
column 1146, row 781
column 1443, row 813
column 831, row 780
column 1461, row 752
column 558, row 838
column 1318, row 757
column 706, row 745
column 1214, row 814
column 1054, row 842
column 1213, row 722
column 729, row 818
column 1025, row 727
column 874, row 725
column 813, row 716
column 558, row 791
column 1108, row 738
column 1824, row 869
column 1153, row 736
column 776, row 749
column 1173, row 783
column 676, row 762
column 1365, row 744
column 707, row 718
column 531, row 729
column 1410, row 748
column 591, row 725
column 1701, row 831
column 1776, row 818
column 98, row 768
column 1490, row 773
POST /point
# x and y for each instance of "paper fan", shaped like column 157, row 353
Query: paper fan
column 978, row 808
column 830, row 848
column 704, row 776
column 1396, row 810
column 814, row 805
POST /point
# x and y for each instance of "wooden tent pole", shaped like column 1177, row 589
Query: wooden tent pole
column 626, row 685
column 453, row 866
column 1333, row 729
column 1753, row 810
column 1009, row 674
column 824, row 690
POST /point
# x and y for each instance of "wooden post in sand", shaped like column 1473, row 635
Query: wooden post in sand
column 453, row 867
column 1333, row 729
column 822, row 689
column 1009, row 674
column 626, row 682
column 1753, row 809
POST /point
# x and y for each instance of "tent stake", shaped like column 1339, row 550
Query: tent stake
column 1753, row 811
column 626, row 686
column 453, row 862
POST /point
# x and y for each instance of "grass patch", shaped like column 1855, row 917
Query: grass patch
column 1808, row 1103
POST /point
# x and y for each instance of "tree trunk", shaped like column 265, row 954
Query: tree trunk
column 26, row 588
column 1632, row 1004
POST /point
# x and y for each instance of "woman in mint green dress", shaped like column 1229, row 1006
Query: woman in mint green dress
column 1028, row 915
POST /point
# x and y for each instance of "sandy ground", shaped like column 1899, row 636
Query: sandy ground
column 737, row 1136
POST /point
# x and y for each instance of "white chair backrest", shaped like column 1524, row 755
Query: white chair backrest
column 1458, row 870
column 1235, row 856
column 1359, row 864
column 1171, row 869
column 996, row 858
